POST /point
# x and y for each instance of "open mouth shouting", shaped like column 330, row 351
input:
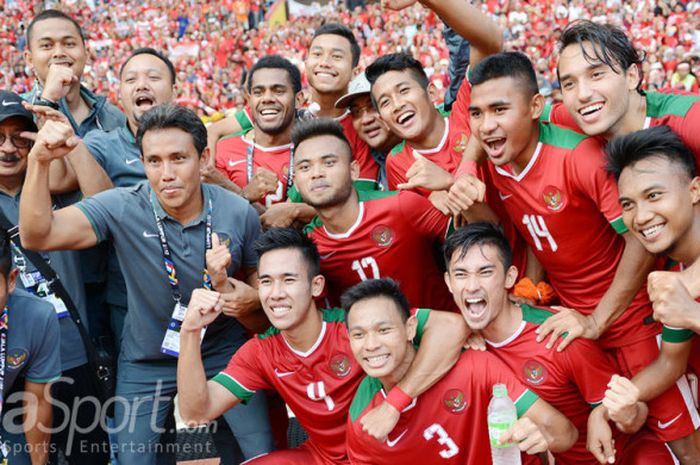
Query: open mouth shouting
column 494, row 146
column 475, row 309
column 144, row 101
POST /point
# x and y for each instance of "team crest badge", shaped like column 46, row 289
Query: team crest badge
column 553, row 198
column 17, row 358
column 383, row 236
column 534, row 372
column 340, row 365
column 460, row 143
column 454, row 401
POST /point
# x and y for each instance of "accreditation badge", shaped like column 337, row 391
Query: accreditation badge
column 171, row 341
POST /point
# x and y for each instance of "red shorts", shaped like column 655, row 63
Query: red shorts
column 306, row 454
column 672, row 415
column 644, row 448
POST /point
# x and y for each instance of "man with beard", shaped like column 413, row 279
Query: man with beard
column 259, row 161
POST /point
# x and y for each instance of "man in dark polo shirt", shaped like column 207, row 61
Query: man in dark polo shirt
column 160, row 230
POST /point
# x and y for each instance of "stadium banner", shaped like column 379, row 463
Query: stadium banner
column 277, row 14
column 301, row 9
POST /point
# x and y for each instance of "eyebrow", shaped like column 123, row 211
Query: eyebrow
column 497, row 103
column 284, row 275
column 323, row 157
column 590, row 67
column 379, row 323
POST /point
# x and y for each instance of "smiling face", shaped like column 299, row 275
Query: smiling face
column 329, row 64
column 285, row 288
column 55, row 41
column 13, row 160
column 504, row 119
column 145, row 83
column 597, row 97
column 659, row 204
column 272, row 100
column 479, row 284
column 324, row 171
column 379, row 338
column 369, row 125
column 404, row 105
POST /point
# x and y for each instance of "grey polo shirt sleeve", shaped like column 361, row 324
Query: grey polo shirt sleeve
column 45, row 364
column 104, row 210
column 253, row 229
column 96, row 146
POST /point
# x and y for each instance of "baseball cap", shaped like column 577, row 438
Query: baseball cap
column 11, row 106
column 358, row 86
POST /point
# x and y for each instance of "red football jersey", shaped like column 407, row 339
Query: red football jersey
column 232, row 161
column 318, row 386
column 678, row 110
column 572, row 381
column 566, row 207
column 396, row 235
column 369, row 170
column 447, row 155
column 447, row 424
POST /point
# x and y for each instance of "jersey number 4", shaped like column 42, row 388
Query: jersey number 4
column 317, row 391
column 538, row 230
column 366, row 263
column 443, row 438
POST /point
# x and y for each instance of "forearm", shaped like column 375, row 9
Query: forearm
column 559, row 433
column 37, row 430
column 193, row 393
column 663, row 372
column 62, row 178
column 217, row 177
column 304, row 213
column 90, row 175
column 35, row 206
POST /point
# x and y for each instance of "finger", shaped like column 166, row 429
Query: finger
column 533, row 444
column 406, row 185
column 608, row 450
column 596, row 449
column 28, row 135
column 556, row 332
column 568, row 339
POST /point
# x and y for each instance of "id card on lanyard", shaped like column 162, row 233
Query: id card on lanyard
column 171, row 341
column 4, row 326
column 35, row 283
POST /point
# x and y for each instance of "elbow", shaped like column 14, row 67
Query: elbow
column 29, row 240
column 564, row 436
column 190, row 415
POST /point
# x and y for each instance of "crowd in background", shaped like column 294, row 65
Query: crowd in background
column 212, row 43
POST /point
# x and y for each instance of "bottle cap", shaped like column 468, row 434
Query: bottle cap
column 500, row 390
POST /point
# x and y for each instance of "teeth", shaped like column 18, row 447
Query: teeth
column 474, row 301
column 377, row 358
column 652, row 231
column 281, row 309
column 403, row 118
column 269, row 112
column 495, row 143
column 591, row 108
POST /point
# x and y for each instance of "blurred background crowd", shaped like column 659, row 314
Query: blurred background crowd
column 213, row 42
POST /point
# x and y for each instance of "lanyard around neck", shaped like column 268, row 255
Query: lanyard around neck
column 249, row 164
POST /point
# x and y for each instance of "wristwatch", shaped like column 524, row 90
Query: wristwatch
column 42, row 102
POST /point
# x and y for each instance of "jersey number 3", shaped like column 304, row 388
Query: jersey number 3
column 442, row 438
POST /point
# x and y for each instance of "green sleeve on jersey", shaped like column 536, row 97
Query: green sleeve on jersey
column 525, row 401
column 535, row 315
column 397, row 148
column 547, row 111
column 659, row 105
column 676, row 335
column 244, row 120
column 619, row 226
column 293, row 195
column 422, row 315
column 92, row 223
column 235, row 134
column 236, row 389
column 334, row 315
column 361, row 185
column 366, row 391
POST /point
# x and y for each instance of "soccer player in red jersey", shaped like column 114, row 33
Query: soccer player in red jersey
column 553, row 186
column 305, row 356
column 446, row 424
column 366, row 234
column 259, row 160
column 573, row 381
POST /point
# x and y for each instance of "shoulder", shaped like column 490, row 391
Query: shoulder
column 230, row 202
column 334, row 315
column 536, row 315
column 560, row 137
column 676, row 104
column 29, row 308
column 368, row 388
column 398, row 148
column 368, row 196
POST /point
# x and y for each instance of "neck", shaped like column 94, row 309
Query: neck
column 74, row 99
column 687, row 250
column 506, row 323
column 11, row 185
column 327, row 103
column 388, row 382
column 433, row 134
column 339, row 218
column 519, row 163
column 187, row 213
column 633, row 120
column 306, row 333
column 265, row 139
column 133, row 127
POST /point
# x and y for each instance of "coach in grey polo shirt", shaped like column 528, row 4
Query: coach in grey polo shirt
column 173, row 144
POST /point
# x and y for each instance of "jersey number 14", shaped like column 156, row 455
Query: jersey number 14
column 538, row 230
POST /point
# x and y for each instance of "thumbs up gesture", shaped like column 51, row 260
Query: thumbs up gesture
column 218, row 261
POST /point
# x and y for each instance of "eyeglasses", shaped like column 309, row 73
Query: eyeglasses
column 16, row 140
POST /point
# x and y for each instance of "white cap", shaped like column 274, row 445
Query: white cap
column 358, row 86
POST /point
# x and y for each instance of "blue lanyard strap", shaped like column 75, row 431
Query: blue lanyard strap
column 167, row 256
column 4, row 324
column 249, row 164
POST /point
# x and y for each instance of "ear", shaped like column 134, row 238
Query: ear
column 433, row 93
column 356, row 71
column 28, row 59
column 299, row 99
column 12, row 280
column 318, row 282
column 536, row 106
column 354, row 170
column 633, row 77
column 446, row 275
column 511, row 276
column 411, row 327
column 695, row 190
column 204, row 159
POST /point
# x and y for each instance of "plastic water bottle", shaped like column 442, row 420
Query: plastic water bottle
column 501, row 416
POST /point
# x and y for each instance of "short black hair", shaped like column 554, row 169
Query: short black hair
column 610, row 45
column 5, row 253
column 397, row 62
column 53, row 14
column 371, row 288
column 170, row 115
column 338, row 29
column 659, row 141
column 155, row 53
column 308, row 129
column 478, row 234
column 288, row 238
column 276, row 62
column 515, row 65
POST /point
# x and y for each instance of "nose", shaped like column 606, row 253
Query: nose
column 317, row 171
column 642, row 214
column 471, row 283
column 488, row 123
column 371, row 341
column 168, row 173
column 142, row 82
column 367, row 117
column 58, row 51
column 583, row 90
column 277, row 291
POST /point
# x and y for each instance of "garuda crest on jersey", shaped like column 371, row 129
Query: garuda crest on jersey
column 460, row 143
column 340, row 365
column 382, row 235
column 553, row 198
column 454, row 401
column 534, row 372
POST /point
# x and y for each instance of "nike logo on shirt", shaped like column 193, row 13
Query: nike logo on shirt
column 132, row 161
column 504, row 197
column 147, row 235
column 282, row 374
column 328, row 255
column 5, row 103
column 397, row 439
column 234, row 163
column 668, row 423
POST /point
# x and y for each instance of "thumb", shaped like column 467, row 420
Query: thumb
column 608, row 450
column 406, row 185
column 418, row 156
column 215, row 242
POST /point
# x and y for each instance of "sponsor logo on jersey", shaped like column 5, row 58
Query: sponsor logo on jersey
column 460, row 142
column 534, row 372
column 340, row 365
column 383, row 236
column 454, row 401
column 16, row 358
column 553, row 198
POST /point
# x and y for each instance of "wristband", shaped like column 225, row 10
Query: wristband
column 43, row 102
column 466, row 167
column 398, row 399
